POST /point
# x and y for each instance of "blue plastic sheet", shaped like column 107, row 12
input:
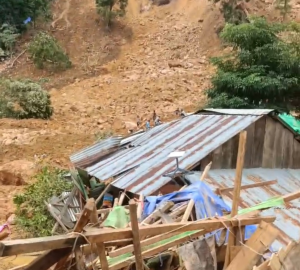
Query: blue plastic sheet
column 207, row 203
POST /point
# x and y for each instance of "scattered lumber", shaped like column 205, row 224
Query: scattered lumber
column 15, row 247
column 236, row 192
column 262, row 184
column 258, row 243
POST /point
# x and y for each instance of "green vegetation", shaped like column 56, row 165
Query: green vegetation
column 24, row 99
column 15, row 12
column 8, row 37
column 32, row 214
column 47, row 53
column 103, row 135
column 263, row 69
column 110, row 9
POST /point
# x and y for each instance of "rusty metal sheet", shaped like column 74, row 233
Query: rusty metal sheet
column 239, row 111
column 288, row 181
column 91, row 154
column 197, row 135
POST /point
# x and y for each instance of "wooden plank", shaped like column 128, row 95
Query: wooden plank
column 57, row 218
column 249, row 146
column 258, row 243
column 278, row 148
column 188, row 211
column 140, row 207
column 258, row 144
column 139, row 264
column 263, row 266
column 80, row 265
column 15, row 247
column 296, row 155
column 144, row 243
column 102, row 256
column 234, row 250
column 266, row 183
column 156, row 250
column 122, row 197
column 235, row 140
column 174, row 214
column 237, row 190
column 88, row 249
column 274, row 262
column 80, row 224
column 65, row 207
column 99, row 246
column 217, row 158
column 205, row 172
column 287, row 149
column 48, row 259
column 269, row 143
column 102, row 194
column 227, row 154
column 291, row 196
column 156, row 214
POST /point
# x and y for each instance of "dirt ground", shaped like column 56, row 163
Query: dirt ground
column 157, row 59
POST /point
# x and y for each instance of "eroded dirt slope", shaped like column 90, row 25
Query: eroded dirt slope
column 157, row 59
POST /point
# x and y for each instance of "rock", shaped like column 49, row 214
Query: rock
column 11, row 219
column 174, row 64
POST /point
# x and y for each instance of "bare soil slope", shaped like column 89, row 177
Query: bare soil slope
column 157, row 59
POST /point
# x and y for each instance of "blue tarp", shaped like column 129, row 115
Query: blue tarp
column 207, row 203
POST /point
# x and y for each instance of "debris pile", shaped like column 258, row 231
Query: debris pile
column 192, row 228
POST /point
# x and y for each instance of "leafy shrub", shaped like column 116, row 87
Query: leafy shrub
column 32, row 214
column 24, row 100
column 109, row 9
column 47, row 53
column 263, row 70
column 8, row 37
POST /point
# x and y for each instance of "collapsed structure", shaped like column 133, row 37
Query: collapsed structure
column 193, row 189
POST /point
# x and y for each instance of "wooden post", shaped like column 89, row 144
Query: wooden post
column 205, row 172
column 100, row 246
column 80, row 224
column 236, row 192
column 136, row 236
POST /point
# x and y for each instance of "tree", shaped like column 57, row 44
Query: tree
column 21, row 99
column 47, row 53
column 8, row 37
column 263, row 69
column 284, row 7
column 15, row 12
column 109, row 9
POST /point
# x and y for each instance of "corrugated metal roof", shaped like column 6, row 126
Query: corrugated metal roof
column 239, row 111
column 92, row 154
column 145, row 163
column 288, row 181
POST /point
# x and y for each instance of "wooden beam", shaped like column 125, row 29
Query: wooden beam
column 262, row 184
column 139, row 264
column 29, row 245
column 80, row 224
column 48, row 259
column 291, row 196
column 258, row 243
column 205, row 172
column 88, row 249
column 156, row 213
column 144, row 243
column 140, row 207
column 100, row 247
column 237, row 190
column 122, row 197
column 188, row 211
column 156, row 250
